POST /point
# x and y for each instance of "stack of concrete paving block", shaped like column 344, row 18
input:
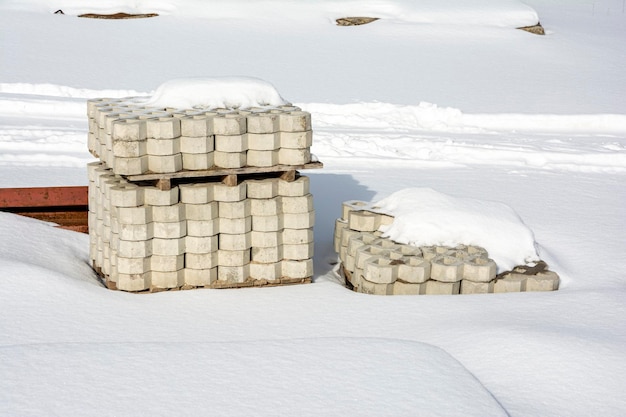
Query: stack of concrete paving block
column 376, row 265
column 199, row 232
column 133, row 139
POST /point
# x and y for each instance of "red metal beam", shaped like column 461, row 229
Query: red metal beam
column 44, row 197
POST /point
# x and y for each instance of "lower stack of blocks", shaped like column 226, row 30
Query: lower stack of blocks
column 376, row 265
column 201, row 234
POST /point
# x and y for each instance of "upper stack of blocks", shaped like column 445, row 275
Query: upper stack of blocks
column 132, row 139
column 377, row 265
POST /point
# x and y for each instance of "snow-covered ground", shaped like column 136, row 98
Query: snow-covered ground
column 433, row 95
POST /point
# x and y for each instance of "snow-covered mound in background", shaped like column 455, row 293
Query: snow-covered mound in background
column 425, row 217
column 216, row 92
column 505, row 13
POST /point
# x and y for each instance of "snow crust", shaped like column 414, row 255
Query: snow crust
column 423, row 217
column 216, row 92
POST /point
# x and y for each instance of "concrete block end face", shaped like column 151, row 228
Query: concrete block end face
column 262, row 189
column 200, row 277
column 288, row 156
column 295, row 121
column 126, row 196
column 154, row 196
column 229, row 124
column 129, row 149
column 197, row 161
column 479, row 269
column 447, row 268
column 201, row 261
column 165, row 164
column 407, row 288
column 352, row 205
column 299, row 187
column 472, row 287
column 199, row 193
column 225, row 193
column 380, row 270
column 374, row 288
column 164, row 280
column 231, row 143
column 163, row 147
column 296, row 140
column 134, row 282
column 167, row 214
column 363, row 221
column 197, row 125
column 233, row 274
column 163, row 127
column 170, row 230
column 414, row 270
column 298, row 220
column 299, row 204
column 263, row 123
column 197, row 145
column 543, row 281
column 268, row 271
column 233, row 257
column 234, row 209
column 131, row 166
column 262, row 158
column 200, row 244
column 442, row 288
column 511, row 282
column 297, row 269
column 267, row 255
column 170, row 263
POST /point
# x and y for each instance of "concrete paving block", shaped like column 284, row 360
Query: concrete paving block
column 295, row 121
column 129, row 149
column 415, row 270
column 380, row 270
column 363, row 221
column 133, row 282
column 235, row 226
column 197, row 126
column 408, row 288
column 374, row 288
column 262, row 158
column 197, row 145
column 299, row 187
column 207, row 260
column 263, row 142
column 297, row 269
column 269, row 271
column 233, row 143
column 168, row 247
column 354, row 243
column 203, row 228
column 134, row 249
column 263, row 123
column 298, row 220
column 347, row 234
column 128, row 195
column 340, row 225
column 172, row 230
column 163, row 146
column 543, row 281
column 261, row 189
column 479, row 269
column 234, row 209
column 165, row 164
column 201, row 244
column 288, row 156
column 154, row 196
column 197, row 193
column 511, row 282
column 352, row 205
column 164, row 263
column 266, row 206
column 298, row 252
column 197, row 161
column 229, row 124
column 266, row 239
column 442, row 288
column 266, row 255
column 296, row 140
column 168, row 214
column 229, row 159
column 472, row 287
column 446, row 268
column 207, row 211
column 233, row 257
column 163, row 128
column 233, row 274
column 267, row 223
column 235, row 242
column 131, row 166
column 226, row 193
column 135, row 232
column 297, row 236
column 200, row 277
column 132, row 265
column 171, row 279
column 430, row 252
column 295, row 205
column 134, row 215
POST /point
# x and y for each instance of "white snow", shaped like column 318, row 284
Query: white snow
column 444, row 95
column 423, row 216
column 215, row 92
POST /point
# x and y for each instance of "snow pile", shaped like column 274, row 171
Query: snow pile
column 426, row 217
column 216, row 92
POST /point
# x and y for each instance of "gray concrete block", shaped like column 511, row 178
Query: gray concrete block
column 256, row 158
column 197, row 161
column 267, row 223
column 164, row 263
column 407, row 288
column 207, row 211
column 168, row 214
column 446, row 268
column 288, row 156
column 229, row 159
column 298, row 252
column 200, row 277
column 133, row 282
column 233, row 274
column 373, row 288
column 128, row 149
column 202, row 228
column 168, row 247
column 479, row 269
column 299, row 204
column 134, row 215
column 131, row 166
column 511, row 282
column 266, row 239
column 234, row 209
column 135, row 232
column 543, row 281
column 132, row 265
column 296, row 140
column 269, row 271
column 233, row 257
column 197, row 193
column 352, row 205
column 266, row 206
column 171, row 279
column 223, row 192
column 165, row 164
column 297, row 269
column 199, row 261
column 414, row 270
column 127, row 195
column 295, row 121
column 232, row 143
column 163, row 147
column 264, row 142
column 229, row 124
column 299, row 187
column 197, row 145
column 154, row 196
column 172, row 230
column 266, row 255
column 472, row 287
column 163, row 128
column 297, row 236
column 298, row 220
column 201, row 244
column 235, row 242
column 235, row 226
column 442, row 288
column 380, row 270
column 262, row 189
column 135, row 249
column 200, row 125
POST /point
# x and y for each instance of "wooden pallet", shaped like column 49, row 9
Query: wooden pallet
column 66, row 206
column 229, row 176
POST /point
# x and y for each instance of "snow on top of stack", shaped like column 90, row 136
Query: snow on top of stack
column 216, row 92
column 425, row 217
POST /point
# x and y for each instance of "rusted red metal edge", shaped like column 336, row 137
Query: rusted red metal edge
column 66, row 206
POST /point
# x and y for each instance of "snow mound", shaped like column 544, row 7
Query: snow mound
column 303, row 377
column 216, row 92
column 426, row 217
